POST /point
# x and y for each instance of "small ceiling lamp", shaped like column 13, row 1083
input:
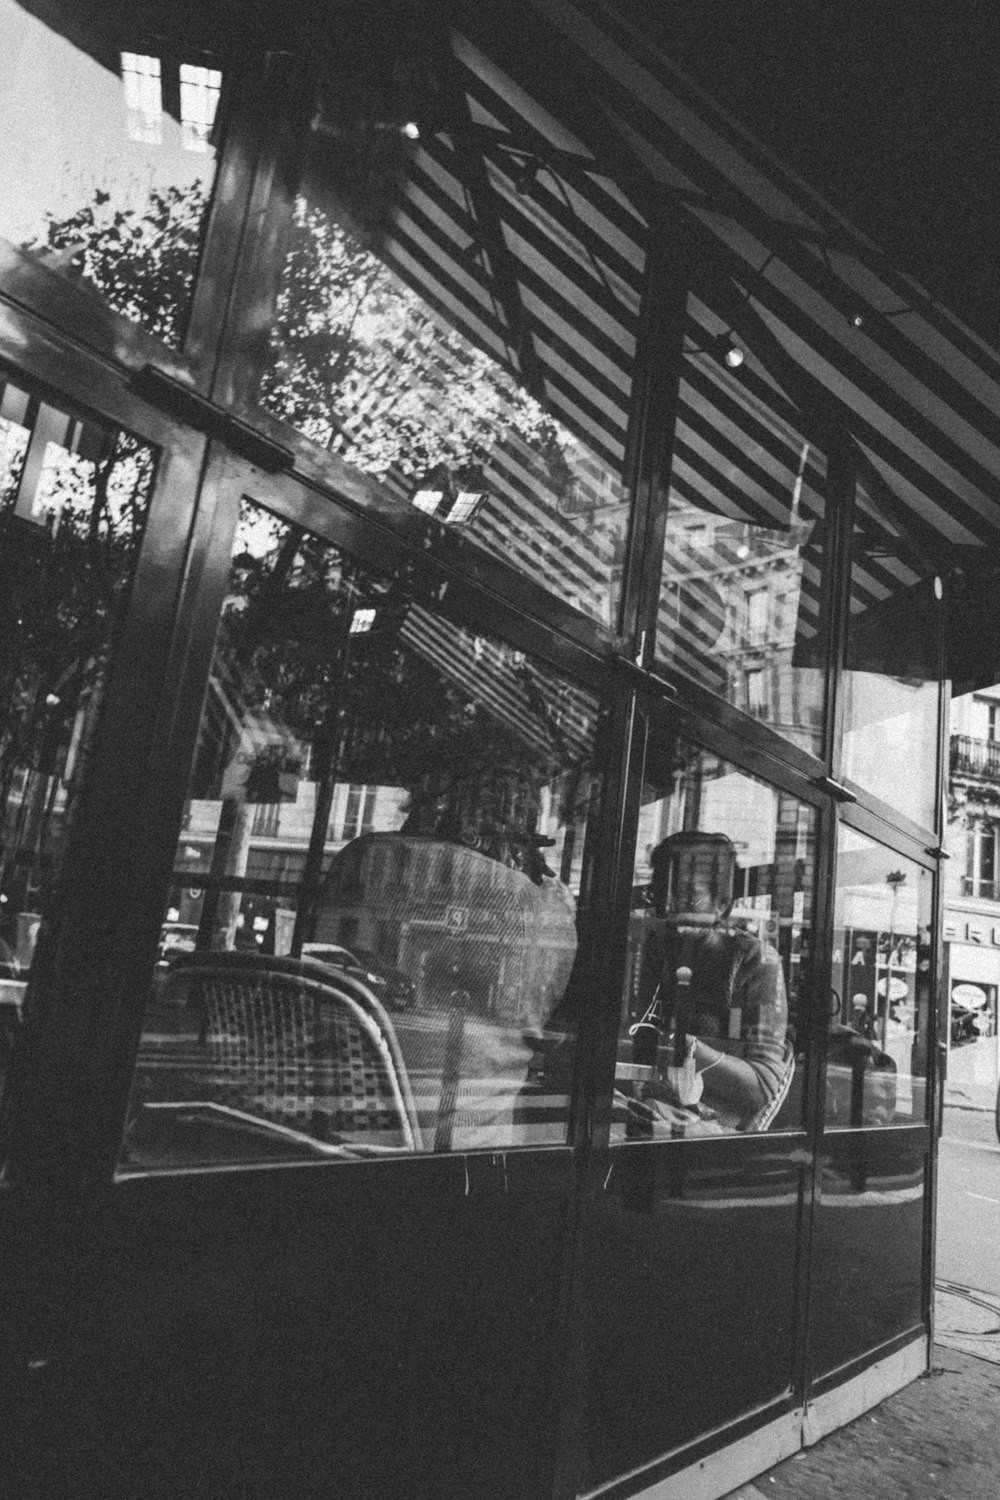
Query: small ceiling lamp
column 724, row 348
column 361, row 622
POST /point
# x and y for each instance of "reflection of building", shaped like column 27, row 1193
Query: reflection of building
column 278, row 838
column 739, row 612
column 972, row 896
column 454, row 920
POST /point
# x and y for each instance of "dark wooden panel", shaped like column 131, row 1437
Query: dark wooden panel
column 868, row 1251
column 381, row 1330
column 687, row 1297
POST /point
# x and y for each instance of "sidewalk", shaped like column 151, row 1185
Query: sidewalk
column 939, row 1439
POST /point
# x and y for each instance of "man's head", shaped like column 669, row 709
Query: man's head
column 693, row 875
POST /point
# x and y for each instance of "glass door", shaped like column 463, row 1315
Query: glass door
column 692, row 1237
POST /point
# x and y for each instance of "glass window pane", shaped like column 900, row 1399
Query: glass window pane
column 374, row 908
column 745, row 542
column 73, row 499
column 718, row 953
column 891, row 699
column 880, row 1005
column 467, row 340
column 108, row 163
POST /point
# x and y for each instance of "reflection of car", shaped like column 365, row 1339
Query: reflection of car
column 177, row 937
column 391, row 986
column 966, row 1025
column 9, row 966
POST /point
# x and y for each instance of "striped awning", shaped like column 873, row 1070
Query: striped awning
column 525, row 224
column 547, row 714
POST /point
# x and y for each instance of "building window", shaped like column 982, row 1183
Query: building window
column 981, row 864
column 200, row 89
column 757, row 616
column 359, row 814
column 757, row 703
column 152, row 85
column 141, row 80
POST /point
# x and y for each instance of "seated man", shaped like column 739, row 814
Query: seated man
column 712, row 1002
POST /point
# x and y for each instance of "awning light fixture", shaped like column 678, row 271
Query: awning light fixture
column 723, row 347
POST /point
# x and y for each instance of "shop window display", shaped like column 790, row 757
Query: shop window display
column 881, row 999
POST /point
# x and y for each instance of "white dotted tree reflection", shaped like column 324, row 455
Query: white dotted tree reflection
column 70, row 528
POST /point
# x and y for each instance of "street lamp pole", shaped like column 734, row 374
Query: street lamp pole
column 894, row 880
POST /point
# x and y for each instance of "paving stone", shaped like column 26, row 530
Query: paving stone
column 939, row 1439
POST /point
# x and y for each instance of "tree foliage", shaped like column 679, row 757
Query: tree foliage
column 142, row 260
column 64, row 577
column 363, row 365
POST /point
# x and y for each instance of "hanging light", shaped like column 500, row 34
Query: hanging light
column 724, row 348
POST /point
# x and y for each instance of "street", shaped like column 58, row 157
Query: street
column 968, row 1208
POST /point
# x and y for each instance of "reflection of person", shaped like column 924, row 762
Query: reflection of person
column 716, row 991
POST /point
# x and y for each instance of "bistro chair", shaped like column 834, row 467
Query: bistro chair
column 287, row 1041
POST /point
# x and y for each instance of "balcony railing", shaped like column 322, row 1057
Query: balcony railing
column 975, row 757
column 986, row 890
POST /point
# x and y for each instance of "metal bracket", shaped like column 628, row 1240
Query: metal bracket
column 835, row 788
column 643, row 680
column 188, row 406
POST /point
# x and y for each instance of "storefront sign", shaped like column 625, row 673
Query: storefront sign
column 969, row 995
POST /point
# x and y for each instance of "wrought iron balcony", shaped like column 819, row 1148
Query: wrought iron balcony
column 972, row 757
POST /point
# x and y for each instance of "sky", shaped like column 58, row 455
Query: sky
column 889, row 108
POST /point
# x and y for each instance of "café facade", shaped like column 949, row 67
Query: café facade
column 463, row 503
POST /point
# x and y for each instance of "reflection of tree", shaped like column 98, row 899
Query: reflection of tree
column 363, row 366
column 62, row 582
column 141, row 260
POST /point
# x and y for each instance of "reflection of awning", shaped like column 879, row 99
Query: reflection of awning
column 543, row 269
column 544, row 712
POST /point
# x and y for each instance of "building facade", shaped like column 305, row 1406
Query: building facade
column 484, row 550
column 972, row 900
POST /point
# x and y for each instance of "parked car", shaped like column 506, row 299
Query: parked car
column 394, row 988
column 177, row 937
